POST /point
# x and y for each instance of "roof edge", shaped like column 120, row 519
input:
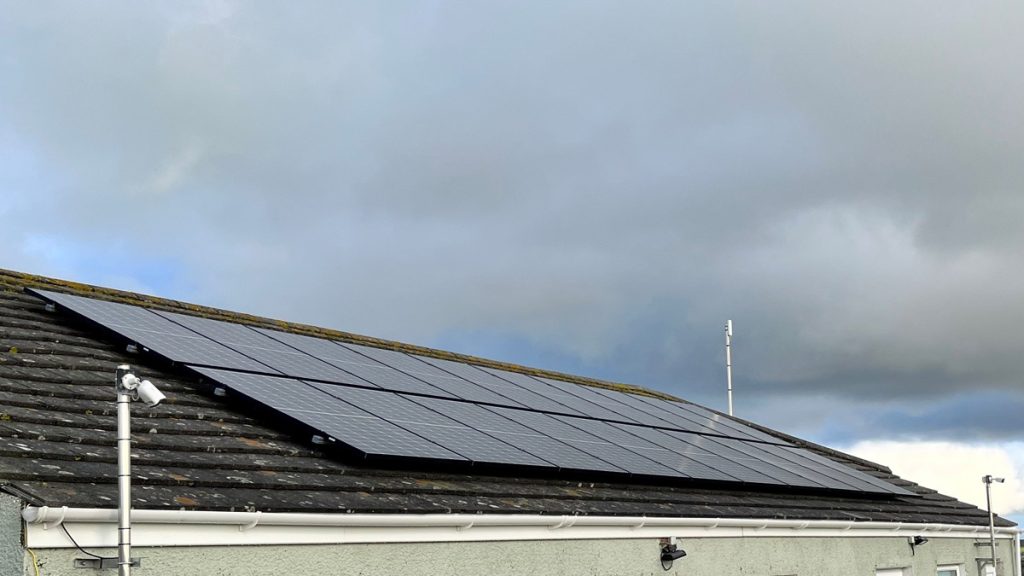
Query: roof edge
column 20, row 280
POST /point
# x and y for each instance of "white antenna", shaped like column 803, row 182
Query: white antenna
column 728, row 360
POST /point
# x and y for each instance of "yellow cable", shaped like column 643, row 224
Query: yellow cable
column 35, row 560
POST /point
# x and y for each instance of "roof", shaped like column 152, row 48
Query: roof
column 197, row 452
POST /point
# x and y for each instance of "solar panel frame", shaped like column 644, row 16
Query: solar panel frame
column 468, row 442
column 580, row 405
column 382, row 375
column 272, row 353
column 846, row 474
column 529, row 421
column 226, row 333
column 698, row 446
column 749, row 458
column 613, row 454
column 667, row 419
column 514, row 394
column 692, row 421
column 367, row 371
column 487, row 420
column 620, row 437
column 680, row 461
column 726, row 422
column 159, row 335
column 539, row 397
column 622, row 412
column 757, row 450
column 332, row 416
column 417, row 368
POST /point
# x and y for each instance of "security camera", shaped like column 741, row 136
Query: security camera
column 149, row 393
column 139, row 389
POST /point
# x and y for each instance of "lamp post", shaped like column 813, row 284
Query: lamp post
column 988, row 479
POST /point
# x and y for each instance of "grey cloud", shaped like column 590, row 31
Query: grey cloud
column 607, row 181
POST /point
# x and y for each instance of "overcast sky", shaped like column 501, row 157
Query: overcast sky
column 593, row 187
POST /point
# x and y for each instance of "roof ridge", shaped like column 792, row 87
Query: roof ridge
column 21, row 280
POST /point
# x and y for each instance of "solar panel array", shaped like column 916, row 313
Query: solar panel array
column 396, row 404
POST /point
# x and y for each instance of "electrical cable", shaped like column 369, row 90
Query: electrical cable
column 35, row 560
column 83, row 550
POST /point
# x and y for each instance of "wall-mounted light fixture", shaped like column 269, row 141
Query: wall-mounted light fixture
column 670, row 552
column 915, row 542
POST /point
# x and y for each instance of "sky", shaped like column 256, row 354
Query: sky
column 590, row 187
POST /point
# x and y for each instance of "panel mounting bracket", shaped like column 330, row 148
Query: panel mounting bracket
column 103, row 563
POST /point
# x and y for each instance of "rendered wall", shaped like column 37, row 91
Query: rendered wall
column 11, row 552
column 706, row 557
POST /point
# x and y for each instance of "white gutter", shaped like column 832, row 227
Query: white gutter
column 92, row 527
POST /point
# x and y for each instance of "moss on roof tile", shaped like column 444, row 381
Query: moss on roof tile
column 11, row 280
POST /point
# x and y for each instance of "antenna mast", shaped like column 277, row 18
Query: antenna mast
column 728, row 361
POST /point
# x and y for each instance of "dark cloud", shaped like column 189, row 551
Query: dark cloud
column 600, row 186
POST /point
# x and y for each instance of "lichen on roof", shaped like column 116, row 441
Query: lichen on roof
column 11, row 280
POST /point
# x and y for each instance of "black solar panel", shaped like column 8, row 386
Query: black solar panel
column 512, row 393
column 151, row 331
column 390, row 403
column 533, row 393
column 685, row 463
column 271, row 353
column 721, row 424
column 336, row 418
column 413, row 366
column 511, row 432
column 584, row 441
column 442, row 430
column 554, row 390
column 368, row 372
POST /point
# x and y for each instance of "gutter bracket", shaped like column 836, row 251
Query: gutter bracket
column 250, row 525
column 57, row 522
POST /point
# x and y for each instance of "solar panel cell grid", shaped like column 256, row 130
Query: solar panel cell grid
column 531, row 392
column 154, row 332
column 692, row 464
column 389, row 403
column 759, row 450
column 114, row 314
column 556, row 452
column 724, row 447
column 334, row 417
column 435, row 426
column 829, row 478
column 509, row 394
column 558, row 429
column 850, row 475
column 685, row 419
column 620, row 412
column 225, row 332
column 723, row 422
column 668, row 419
column 580, row 405
column 451, row 384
